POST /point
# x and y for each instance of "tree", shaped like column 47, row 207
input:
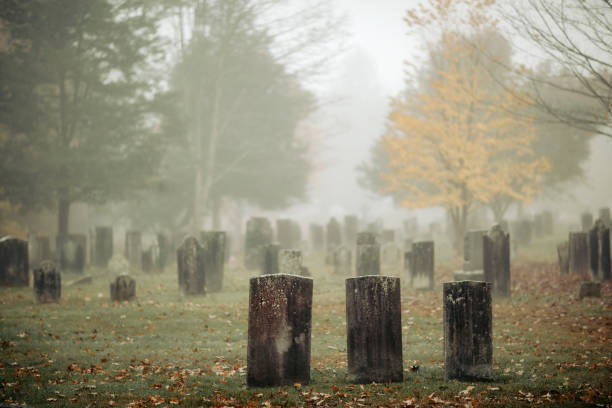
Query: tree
column 77, row 109
column 460, row 139
column 576, row 37
column 240, row 103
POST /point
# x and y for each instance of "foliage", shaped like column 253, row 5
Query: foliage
column 77, row 107
column 461, row 139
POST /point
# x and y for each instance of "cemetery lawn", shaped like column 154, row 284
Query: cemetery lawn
column 165, row 349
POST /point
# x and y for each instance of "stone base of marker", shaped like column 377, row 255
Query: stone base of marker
column 280, row 313
column 123, row 289
column 47, row 283
column 469, row 276
column 468, row 337
column 589, row 289
column 374, row 329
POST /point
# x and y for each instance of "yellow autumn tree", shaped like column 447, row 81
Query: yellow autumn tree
column 461, row 139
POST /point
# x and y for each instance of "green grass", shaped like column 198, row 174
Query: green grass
column 165, row 348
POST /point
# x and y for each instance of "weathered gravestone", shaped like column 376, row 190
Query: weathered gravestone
column 468, row 337
column 258, row 234
column 343, row 264
column 47, row 283
column 351, row 226
column 599, row 245
column 284, row 233
column 604, row 216
column 290, row 262
column 391, row 254
column 367, row 254
column 589, row 289
column 280, row 312
column 103, row 248
column 422, row 267
column 496, row 248
column 374, row 329
column 317, row 237
column 213, row 245
column 563, row 255
column 270, row 259
column 296, row 234
column 586, row 220
column 411, row 227
column 190, row 265
column 578, row 252
column 148, row 259
column 165, row 251
column 39, row 249
column 123, row 289
column 333, row 240
column 71, row 250
column 133, row 248
column 473, row 253
column 388, row 235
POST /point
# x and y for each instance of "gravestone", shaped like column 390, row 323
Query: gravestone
column 103, row 247
column 473, row 254
column 586, row 220
column 71, row 250
column 589, row 289
column 468, row 337
column 578, row 252
column 604, row 216
column 190, row 265
column 285, row 234
column 280, row 319
column 422, row 268
column 296, row 234
column 317, row 237
column 270, row 259
column 408, row 244
column 343, row 264
column 333, row 239
column 496, row 248
column 147, row 260
column 374, row 329
column 290, row 262
column 391, row 254
column 599, row 245
column 388, row 235
column 258, row 234
column 351, row 226
column 367, row 255
column 165, row 251
column 133, row 248
column 39, row 250
column 123, row 289
column 213, row 245
column 563, row 255
column 47, row 283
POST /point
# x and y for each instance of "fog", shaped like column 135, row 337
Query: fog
column 349, row 60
